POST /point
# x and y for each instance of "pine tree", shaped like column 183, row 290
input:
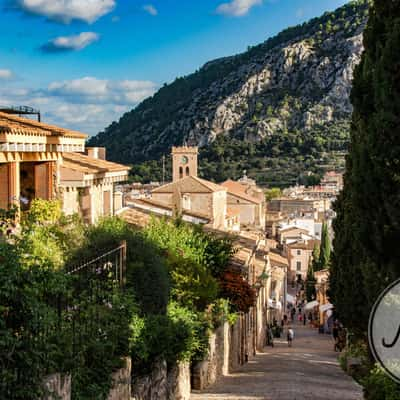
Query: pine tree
column 325, row 249
column 367, row 228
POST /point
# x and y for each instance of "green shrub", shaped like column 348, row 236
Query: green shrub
column 146, row 268
column 31, row 344
column 378, row 386
column 182, row 334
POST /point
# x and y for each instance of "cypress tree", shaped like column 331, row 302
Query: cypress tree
column 367, row 228
column 325, row 249
column 310, row 283
column 315, row 258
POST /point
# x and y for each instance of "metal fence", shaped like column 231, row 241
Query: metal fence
column 110, row 266
column 82, row 309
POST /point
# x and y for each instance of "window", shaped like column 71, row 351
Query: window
column 186, row 202
column 298, row 265
column 187, row 171
column 299, row 252
column 180, row 172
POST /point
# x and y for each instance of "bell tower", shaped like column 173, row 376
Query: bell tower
column 184, row 162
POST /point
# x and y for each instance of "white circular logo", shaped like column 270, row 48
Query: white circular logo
column 384, row 330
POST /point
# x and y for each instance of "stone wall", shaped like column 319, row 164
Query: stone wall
column 164, row 384
column 121, row 389
column 230, row 347
column 179, row 382
column 58, row 387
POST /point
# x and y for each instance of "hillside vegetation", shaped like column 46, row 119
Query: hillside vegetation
column 279, row 110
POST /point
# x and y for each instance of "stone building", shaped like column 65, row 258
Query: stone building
column 41, row 161
column 299, row 255
column 184, row 162
column 229, row 206
column 251, row 207
column 87, row 184
column 197, row 195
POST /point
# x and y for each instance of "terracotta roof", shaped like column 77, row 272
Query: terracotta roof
column 136, row 217
column 151, row 202
column 277, row 259
column 239, row 190
column 293, row 228
column 309, row 245
column 190, row 184
column 10, row 123
column 89, row 165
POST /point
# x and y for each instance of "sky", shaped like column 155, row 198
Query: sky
column 84, row 63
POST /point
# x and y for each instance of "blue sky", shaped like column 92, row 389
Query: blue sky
column 85, row 62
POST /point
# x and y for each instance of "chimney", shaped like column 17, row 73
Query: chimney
column 96, row 152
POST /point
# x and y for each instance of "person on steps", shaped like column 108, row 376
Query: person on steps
column 290, row 336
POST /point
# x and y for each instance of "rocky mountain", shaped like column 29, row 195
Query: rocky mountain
column 280, row 106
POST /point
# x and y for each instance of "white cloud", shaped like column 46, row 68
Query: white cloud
column 86, row 104
column 71, row 43
column 150, row 9
column 6, row 74
column 89, row 90
column 67, row 10
column 237, row 8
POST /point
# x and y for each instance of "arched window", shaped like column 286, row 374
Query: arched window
column 187, row 171
column 180, row 172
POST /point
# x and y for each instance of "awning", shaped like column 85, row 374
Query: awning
column 290, row 298
column 274, row 304
column 325, row 307
column 311, row 305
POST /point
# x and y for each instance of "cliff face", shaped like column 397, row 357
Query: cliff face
column 295, row 86
column 298, row 81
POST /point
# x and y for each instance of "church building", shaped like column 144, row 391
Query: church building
column 224, row 205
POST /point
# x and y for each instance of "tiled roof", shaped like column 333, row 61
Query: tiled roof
column 10, row 123
column 190, row 184
column 277, row 259
column 239, row 190
column 293, row 228
column 89, row 165
column 309, row 245
column 151, row 202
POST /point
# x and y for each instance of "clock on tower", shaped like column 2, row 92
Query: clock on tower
column 184, row 162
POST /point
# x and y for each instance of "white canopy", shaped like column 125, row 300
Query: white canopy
column 290, row 298
column 310, row 305
column 274, row 304
column 325, row 307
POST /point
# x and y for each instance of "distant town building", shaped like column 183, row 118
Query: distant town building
column 299, row 255
column 245, row 198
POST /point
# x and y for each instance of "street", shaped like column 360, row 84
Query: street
column 307, row 371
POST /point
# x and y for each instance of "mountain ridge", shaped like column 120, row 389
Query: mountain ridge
column 292, row 85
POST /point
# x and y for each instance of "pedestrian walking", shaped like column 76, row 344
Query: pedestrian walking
column 290, row 336
column 304, row 318
column 270, row 337
column 335, row 334
column 292, row 313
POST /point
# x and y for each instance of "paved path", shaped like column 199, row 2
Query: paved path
column 307, row 371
